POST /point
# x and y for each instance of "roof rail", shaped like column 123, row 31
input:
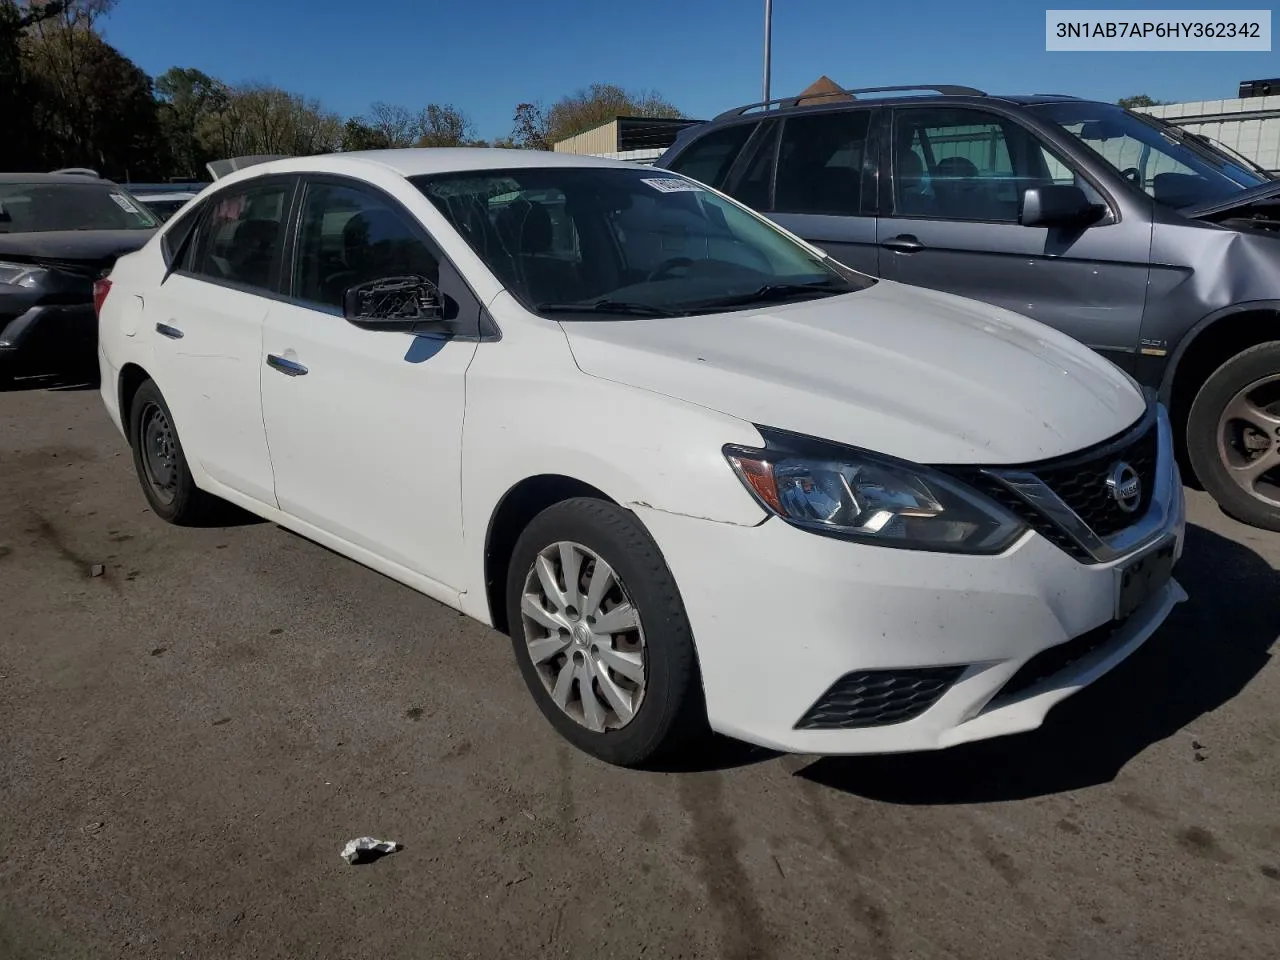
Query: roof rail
column 943, row 90
column 79, row 172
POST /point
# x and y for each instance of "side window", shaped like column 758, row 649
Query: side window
column 820, row 163
column 348, row 236
column 955, row 164
column 709, row 157
column 756, row 182
column 240, row 238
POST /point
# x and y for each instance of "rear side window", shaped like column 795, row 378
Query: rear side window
column 820, row 163
column 240, row 238
column 709, row 157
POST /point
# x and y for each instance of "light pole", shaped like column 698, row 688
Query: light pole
column 768, row 45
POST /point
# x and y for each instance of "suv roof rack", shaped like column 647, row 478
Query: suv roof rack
column 78, row 172
column 943, row 90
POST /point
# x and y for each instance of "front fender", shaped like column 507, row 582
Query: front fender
column 1203, row 324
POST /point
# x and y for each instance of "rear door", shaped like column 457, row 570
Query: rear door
column 206, row 322
column 814, row 174
column 950, row 222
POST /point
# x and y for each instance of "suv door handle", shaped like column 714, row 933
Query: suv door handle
column 903, row 243
column 288, row 367
column 173, row 333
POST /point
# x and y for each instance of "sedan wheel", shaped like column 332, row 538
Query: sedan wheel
column 601, row 635
column 584, row 636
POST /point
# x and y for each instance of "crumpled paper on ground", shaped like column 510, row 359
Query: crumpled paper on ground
column 367, row 849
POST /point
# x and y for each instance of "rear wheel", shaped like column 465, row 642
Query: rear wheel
column 600, row 633
column 1233, row 436
column 160, row 463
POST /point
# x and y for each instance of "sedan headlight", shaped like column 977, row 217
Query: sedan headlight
column 20, row 274
column 870, row 498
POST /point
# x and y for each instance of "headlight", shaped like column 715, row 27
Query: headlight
column 872, row 499
column 20, row 274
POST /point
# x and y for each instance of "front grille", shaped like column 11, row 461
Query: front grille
column 1054, row 660
column 1082, row 483
column 875, row 698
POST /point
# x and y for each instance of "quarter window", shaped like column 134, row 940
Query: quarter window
column 820, row 163
column 709, row 158
column 348, row 237
column 239, row 240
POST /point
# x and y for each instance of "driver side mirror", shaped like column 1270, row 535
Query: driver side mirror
column 1058, row 205
column 412, row 304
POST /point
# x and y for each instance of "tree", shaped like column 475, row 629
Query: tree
column 188, row 100
column 598, row 104
column 529, row 127
column 392, row 122
column 358, row 135
column 1137, row 100
column 443, row 125
column 260, row 118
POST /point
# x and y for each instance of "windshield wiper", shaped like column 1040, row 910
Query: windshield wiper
column 773, row 292
column 606, row 305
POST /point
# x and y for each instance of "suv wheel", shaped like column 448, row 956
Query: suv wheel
column 1233, row 436
column 601, row 635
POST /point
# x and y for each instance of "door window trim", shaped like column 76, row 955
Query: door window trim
column 888, row 148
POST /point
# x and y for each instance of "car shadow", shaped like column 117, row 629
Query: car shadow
column 1203, row 656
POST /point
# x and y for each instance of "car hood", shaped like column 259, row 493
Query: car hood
column 87, row 248
column 913, row 373
column 1238, row 201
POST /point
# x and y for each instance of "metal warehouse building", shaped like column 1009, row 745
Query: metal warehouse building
column 639, row 139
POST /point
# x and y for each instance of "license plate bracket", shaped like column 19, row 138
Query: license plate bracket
column 1139, row 579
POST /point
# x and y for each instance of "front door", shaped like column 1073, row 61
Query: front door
column 950, row 222
column 365, row 426
column 206, row 319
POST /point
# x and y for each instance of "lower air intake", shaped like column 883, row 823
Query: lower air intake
column 875, row 698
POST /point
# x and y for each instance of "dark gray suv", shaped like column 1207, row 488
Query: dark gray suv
column 1154, row 246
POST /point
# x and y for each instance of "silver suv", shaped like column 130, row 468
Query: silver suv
column 1154, row 246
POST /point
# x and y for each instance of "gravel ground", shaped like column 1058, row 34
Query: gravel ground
column 188, row 739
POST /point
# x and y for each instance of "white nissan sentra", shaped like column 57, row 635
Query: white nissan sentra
column 699, row 471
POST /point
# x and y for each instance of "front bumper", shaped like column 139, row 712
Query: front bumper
column 779, row 615
column 60, row 336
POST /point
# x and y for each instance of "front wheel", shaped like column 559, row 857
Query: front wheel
column 601, row 635
column 1233, row 436
column 160, row 462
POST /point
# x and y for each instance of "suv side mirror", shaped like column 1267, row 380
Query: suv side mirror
column 1057, row 205
column 412, row 304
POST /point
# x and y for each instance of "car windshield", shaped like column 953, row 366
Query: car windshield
column 1173, row 168
column 583, row 242
column 49, row 206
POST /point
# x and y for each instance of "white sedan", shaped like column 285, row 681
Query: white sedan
column 699, row 471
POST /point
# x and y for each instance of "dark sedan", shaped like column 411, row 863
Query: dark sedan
column 58, row 233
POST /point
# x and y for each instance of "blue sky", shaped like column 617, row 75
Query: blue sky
column 485, row 56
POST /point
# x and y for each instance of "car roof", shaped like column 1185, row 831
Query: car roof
column 834, row 101
column 52, row 178
column 422, row 161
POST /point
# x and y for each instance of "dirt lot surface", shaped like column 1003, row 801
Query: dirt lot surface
column 188, row 739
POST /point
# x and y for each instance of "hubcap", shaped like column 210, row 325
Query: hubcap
column 1249, row 439
column 159, row 453
column 584, row 636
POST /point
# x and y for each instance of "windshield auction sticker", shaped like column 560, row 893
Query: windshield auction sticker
column 123, row 203
column 1155, row 30
column 672, row 185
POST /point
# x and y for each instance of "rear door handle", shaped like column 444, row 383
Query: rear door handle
column 904, row 243
column 173, row 333
column 289, row 368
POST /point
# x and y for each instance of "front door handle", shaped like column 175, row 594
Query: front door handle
column 289, row 368
column 903, row 243
column 173, row 333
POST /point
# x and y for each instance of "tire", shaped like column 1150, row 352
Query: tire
column 1218, row 448
column 669, row 710
column 173, row 496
